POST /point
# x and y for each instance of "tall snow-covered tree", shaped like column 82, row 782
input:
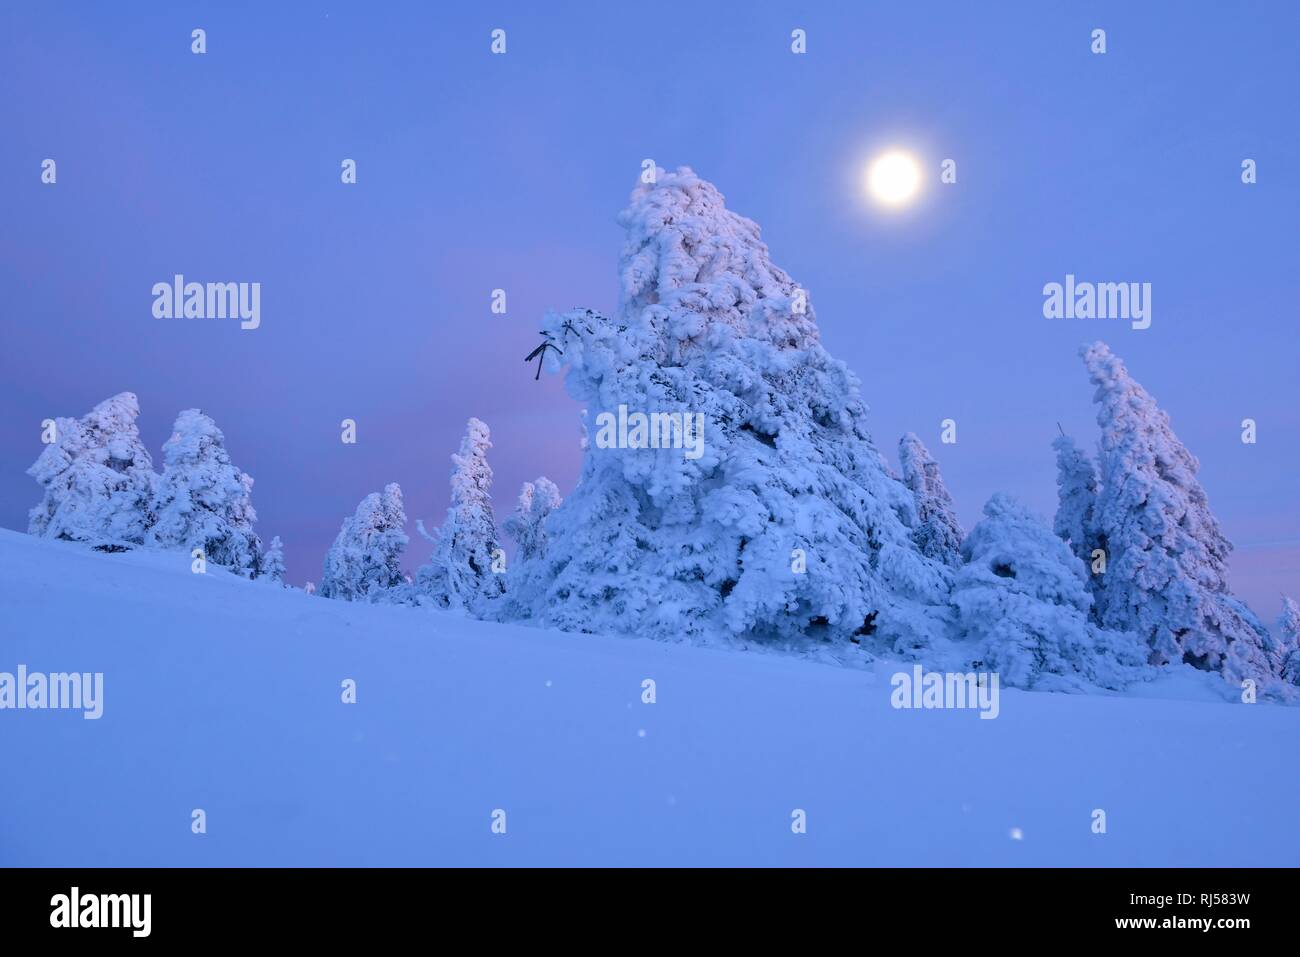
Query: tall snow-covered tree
column 529, row 572
column 526, row 526
column 1166, row 569
column 273, row 562
column 777, row 520
column 204, row 501
column 460, row 574
column 365, row 561
column 1022, row 598
column 1288, row 629
column 98, row 478
column 1076, row 490
column 938, row 533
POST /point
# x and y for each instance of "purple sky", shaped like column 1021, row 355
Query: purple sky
column 480, row 171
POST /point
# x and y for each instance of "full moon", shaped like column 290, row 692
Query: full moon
column 894, row 178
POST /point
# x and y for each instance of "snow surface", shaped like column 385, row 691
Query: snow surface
column 224, row 694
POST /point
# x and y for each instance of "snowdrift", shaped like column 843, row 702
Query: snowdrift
column 224, row 695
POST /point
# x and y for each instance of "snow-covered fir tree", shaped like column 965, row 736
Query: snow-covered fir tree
column 460, row 574
column 938, row 533
column 204, row 501
column 98, row 478
column 1288, row 633
column 1166, row 563
column 365, row 561
column 526, row 526
column 273, row 562
column 1022, row 599
column 1076, row 491
column 779, row 520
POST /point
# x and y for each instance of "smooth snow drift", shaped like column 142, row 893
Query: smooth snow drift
column 224, row 695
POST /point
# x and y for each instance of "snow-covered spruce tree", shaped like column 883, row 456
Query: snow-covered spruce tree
column 98, row 478
column 1166, row 563
column 203, row 501
column 778, row 521
column 365, row 561
column 526, row 526
column 938, row 533
column 1288, row 640
column 273, row 562
column 1076, row 490
column 1022, row 598
column 459, row 574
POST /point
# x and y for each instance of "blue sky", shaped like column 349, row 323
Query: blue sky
column 478, row 171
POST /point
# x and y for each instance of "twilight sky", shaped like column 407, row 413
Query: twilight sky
column 478, row 171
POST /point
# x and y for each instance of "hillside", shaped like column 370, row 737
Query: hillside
column 224, row 695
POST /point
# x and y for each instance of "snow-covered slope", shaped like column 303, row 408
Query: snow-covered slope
column 224, row 695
